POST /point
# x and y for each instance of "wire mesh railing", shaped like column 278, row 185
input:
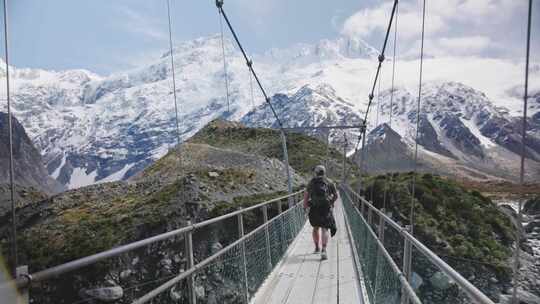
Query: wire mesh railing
column 211, row 253
column 430, row 279
column 240, row 268
column 383, row 280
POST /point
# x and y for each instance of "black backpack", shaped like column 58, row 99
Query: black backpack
column 320, row 192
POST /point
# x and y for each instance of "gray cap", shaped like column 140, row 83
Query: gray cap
column 320, row 170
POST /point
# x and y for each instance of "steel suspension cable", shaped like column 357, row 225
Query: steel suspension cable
column 377, row 75
column 249, row 62
column 381, row 60
column 392, row 99
column 14, row 251
column 225, row 65
column 523, row 151
column 415, row 166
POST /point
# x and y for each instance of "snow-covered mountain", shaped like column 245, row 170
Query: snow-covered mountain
column 460, row 132
column 310, row 107
column 91, row 128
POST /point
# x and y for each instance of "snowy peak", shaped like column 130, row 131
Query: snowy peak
column 340, row 48
column 309, row 107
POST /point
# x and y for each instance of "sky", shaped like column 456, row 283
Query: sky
column 108, row 36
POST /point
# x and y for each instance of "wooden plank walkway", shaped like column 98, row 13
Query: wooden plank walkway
column 303, row 278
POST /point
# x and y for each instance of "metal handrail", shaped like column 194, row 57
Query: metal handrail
column 184, row 275
column 22, row 282
column 468, row 287
column 403, row 280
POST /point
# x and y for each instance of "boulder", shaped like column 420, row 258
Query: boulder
column 175, row 294
column 440, row 281
column 416, row 281
column 532, row 206
column 532, row 226
column 125, row 274
column 200, row 293
column 104, row 294
column 524, row 297
column 213, row 174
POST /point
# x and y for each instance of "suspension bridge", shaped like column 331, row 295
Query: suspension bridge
column 372, row 258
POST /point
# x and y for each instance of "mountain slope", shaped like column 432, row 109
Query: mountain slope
column 27, row 161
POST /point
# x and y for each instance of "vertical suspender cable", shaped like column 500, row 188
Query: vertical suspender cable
column 173, row 73
column 418, row 118
column 386, row 182
column 376, row 125
column 175, row 98
column 225, row 65
column 523, row 147
column 14, row 253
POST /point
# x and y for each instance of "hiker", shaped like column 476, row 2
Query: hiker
column 319, row 198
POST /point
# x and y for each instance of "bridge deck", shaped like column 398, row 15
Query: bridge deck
column 303, row 278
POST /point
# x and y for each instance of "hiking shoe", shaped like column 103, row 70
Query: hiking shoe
column 323, row 255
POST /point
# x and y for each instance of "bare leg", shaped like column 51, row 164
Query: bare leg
column 324, row 238
column 315, row 235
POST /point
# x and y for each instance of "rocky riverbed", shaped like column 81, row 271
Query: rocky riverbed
column 529, row 278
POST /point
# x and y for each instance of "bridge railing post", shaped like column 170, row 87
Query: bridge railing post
column 243, row 255
column 24, row 297
column 407, row 252
column 370, row 217
column 267, row 237
column 188, row 242
column 381, row 226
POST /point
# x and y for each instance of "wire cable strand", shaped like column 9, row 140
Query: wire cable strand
column 419, row 102
column 523, row 147
column 225, row 65
column 391, row 111
column 14, row 251
column 173, row 73
column 249, row 62
column 377, row 75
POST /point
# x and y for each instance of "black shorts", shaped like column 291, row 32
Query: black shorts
column 321, row 217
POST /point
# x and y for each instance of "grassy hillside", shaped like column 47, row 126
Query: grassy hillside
column 218, row 171
column 451, row 219
column 305, row 152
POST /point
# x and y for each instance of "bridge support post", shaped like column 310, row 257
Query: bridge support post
column 286, row 160
column 362, row 157
column 406, row 266
column 381, row 226
column 370, row 217
column 188, row 239
column 24, row 297
column 267, row 238
column 243, row 255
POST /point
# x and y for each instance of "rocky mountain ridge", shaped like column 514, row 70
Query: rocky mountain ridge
column 97, row 129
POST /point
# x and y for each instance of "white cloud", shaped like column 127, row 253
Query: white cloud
column 143, row 25
column 453, row 27
column 465, row 45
